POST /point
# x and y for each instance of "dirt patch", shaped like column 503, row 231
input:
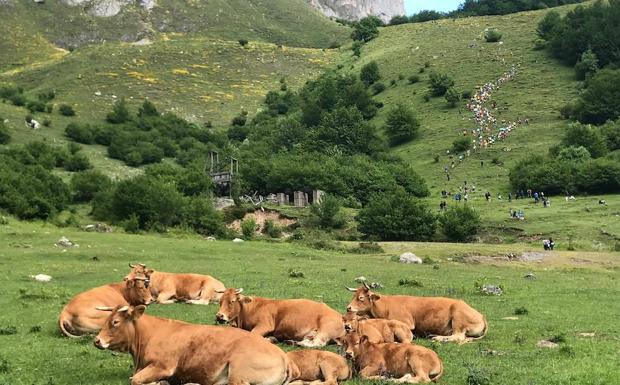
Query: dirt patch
column 528, row 256
column 262, row 216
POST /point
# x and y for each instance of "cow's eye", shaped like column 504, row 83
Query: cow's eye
column 361, row 299
column 233, row 301
column 115, row 322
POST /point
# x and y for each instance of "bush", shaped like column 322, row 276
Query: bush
column 203, row 218
column 46, row 96
column 453, row 96
column 366, row 29
column 5, row 134
column 35, row 106
column 368, row 248
column 81, row 133
column 240, row 120
column 77, row 162
column 248, row 228
column 600, row 101
column 131, row 224
column 478, row 376
column 401, row 125
column 547, row 24
column 370, row 73
column 119, row 113
column 243, row 42
column 460, row 223
column 440, row 83
column 587, row 65
column 47, row 122
column 467, row 94
column 66, row 110
column 396, row 216
column 414, row 79
column 85, row 185
column 378, row 88
column 591, row 138
column 148, row 109
column 327, row 214
column 272, row 230
column 492, row 36
column 18, row 100
column 357, row 48
column 461, row 145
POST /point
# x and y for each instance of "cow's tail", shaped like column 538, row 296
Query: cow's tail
column 64, row 323
column 436, row 376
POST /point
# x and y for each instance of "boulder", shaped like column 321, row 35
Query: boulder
column 410, row 258
column 41, row 277
column 546, row 344
column 65, row 242
column 238, row 240
column 211, row 239
column 491, row 290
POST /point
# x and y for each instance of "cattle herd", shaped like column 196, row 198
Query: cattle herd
column 375, row 333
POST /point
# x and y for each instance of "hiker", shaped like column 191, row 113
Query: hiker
column 487, row 196
column 551, row 243
column 509, row 197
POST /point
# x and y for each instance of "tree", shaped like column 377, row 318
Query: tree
column 397, row 216
column 574, row 154
column 591, row 138
column 453, row 96
column 460, row 223
column 366, row 29
column 5, row 135
column 600, row 101
column 492, row 36
column 587, row 66
column 147, row 109
column 399, row 19
column 401, row 125
column 547, row 24
column 85, row 185
column 440, row 83
column 120, row 112
column 327, row 214
column 370, row 73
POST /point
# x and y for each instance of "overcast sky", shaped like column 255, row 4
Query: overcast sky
column 413, row 6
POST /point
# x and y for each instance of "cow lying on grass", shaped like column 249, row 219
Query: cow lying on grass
column 179, row 352
column 376, row 329
column 172, row 287
column 308, row 323
column 392, row 361
column 445, row 319
column 80, row 315
column 317, row 367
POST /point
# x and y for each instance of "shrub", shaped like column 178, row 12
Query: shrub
column 467, row 94
column 591, row 138
column 131, row 224
column 18, row 99
column 47, row 122
column 547, row 24
column 357, row 48
column 85, row 185
column 66, row 110
column 461, row 145
column 368, row 248
column 396, row 216
column 295, row 273
column 600, row 101
column 410, row 282
column 148, row 109
column 378, row 88
column 5, row 135
column 81, row 133
column 248, row 228
column 399, row 19
column 401, row 125
column 440, row 83
column 119, row 113
column 453, row 96
column 7, row 91
column 370, row 73
column 327, row 214
column 478, row 376
column 492, row 36
column 203, row 218
column 272, row 230
column 243, row 42
column 521, row 311
column 35, row 106
column 587, row 65
column 414, row 79
column 460, row 223
column 366, row 28
column 77, row 162
column 240, row 119
column 46, row 96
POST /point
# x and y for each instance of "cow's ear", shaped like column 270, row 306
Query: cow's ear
column 363, row 339
column 362, row 317
column 338, row 341
column 137, row 312
column 148, row 272
column 130, row 283
column 245, row 299
column 374, row 296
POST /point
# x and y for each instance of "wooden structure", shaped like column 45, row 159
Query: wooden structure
column 222, row 179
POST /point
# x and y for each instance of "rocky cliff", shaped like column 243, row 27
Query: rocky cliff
column 357, row 9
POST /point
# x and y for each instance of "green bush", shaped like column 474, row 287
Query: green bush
column 378, row 88
column 80, row 132
column 414, row 79
column 77, row 162
column 461, row 145
column 397, row 216
column 547, row 24
column 5, row 134
column 85, row 185
column 453, row 97
column 600, row 101
column 18, row 99
column 240, row 119
column 440, row 83
column 492, row 36
column 369, row 73
column 66, row 110
column 148, row 109
column 460, row 223
column 357, row 48
column 203, row 218
column 120, row 112
column 243, row 42
column 131, row 224
column 587, row 65
column 467, row 94
column 248, row 228
column 591, row 138
column 366, row 28
column 35, row 106
column 401, row 125
column 272, row 230
column 328, row 213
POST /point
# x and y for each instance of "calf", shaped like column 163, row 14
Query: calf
column 80, row 315
column 173, row 287
column 445, row 318
column 317, row 367
column 376, row 329
column 179, row 352
column 304, row 322
column 392, row 361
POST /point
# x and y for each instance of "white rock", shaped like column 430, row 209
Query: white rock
column 65, row 242
column 211, row 239
column 546, row 344
column 41, row 277
column 410, row 258
column 360, row 279
column 237, row 240
column 98, row 93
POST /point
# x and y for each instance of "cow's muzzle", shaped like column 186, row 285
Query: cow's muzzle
column 220, row 318
column 100, row 344
column 348, row 328
column 349, row 355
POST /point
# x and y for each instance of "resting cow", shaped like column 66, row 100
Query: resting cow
column 179, row 352
column 171, row 287
column 444, row 318
column 80, row 315
column 309, row 323
column 377, row 330
column 317, row 367
column 392, row 361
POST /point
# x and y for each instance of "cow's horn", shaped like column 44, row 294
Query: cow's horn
column 141, row 264
column 220, row 291
column 141, row 278
column 123, row 309
column 350, row 289
column 132, row 266
column 365, row 285
column 104, row 308
column 239, row 290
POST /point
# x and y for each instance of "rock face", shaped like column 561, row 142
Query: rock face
column 357, row 9
column 107, row 8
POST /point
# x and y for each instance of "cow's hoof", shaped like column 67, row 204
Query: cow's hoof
column 291, row 342
column 273, row 340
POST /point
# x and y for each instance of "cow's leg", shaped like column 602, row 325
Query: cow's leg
column 262, row 329
column 371, row 373
column 329, row 372
column 151, row 375
column 402, row 335
column 314, row 340
column 166, row 298
column 459, row 338
column 200, row 301
column 297, row 382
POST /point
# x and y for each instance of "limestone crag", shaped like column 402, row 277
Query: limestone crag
column 357, row 9
column 108, row 8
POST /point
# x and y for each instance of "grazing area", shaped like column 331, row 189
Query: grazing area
column 563, row 297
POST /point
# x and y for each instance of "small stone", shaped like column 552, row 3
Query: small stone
column 65, row 242
column 492, row 290
column 586, row 335
column 546, row 344
column 210, row 238
column 375, row 285
column 530, row 276
column 410, row 258
column 237, row 240
column 97, row 93
column 510, row 318
column 41, row 277
column 360, row 279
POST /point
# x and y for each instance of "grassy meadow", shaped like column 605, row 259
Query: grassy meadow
column 568, row 297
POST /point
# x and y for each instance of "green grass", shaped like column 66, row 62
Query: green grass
column 566, row 299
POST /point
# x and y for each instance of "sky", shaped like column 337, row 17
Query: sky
column 414, row 6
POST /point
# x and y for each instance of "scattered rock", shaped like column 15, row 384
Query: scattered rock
column 143, row 41
column 41, row 277
column 360, row 279
column 65, row 242
column 586, row 335
column 210, row 238
column 97, row 93
column 237, row 240
column 375, row 285
column 530, row 276
column 492, row 290
column 410, row 258
column 98, row 227
column 532, row 256
column 510, row 318
column 546, row 344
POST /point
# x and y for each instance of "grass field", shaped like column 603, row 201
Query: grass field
column 567, row 297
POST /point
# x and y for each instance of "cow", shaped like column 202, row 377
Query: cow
column 180, row 352
column 80, row 315
column 298, row 321
column 317, row 367
column 392, row 361
column 445, row 319
column 376, row 329
column 167, row 288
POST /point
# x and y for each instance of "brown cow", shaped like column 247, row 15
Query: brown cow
column 170, row 350
column 446, row 319
column 310, row 324
column 317, row 367
column 196, row 289
column 377, row 330
column 80, row 315
column 393, row 361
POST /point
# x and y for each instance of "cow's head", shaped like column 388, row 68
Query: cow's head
column 362, row 300
column 137, row 291
column 230, row 305
column 352, row 344
column 119, row 331
column 351, row 321
column 139, row 269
